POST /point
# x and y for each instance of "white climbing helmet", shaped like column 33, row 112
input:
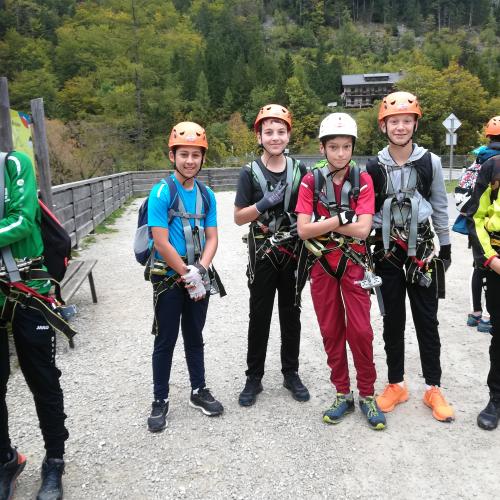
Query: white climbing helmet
column 338, row 124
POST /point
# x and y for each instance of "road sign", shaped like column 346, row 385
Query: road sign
column 451, row 139
column 452, row 123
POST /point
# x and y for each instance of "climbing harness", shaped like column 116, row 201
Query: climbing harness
column 316, row 249
column 18, row 293
column 274, row 235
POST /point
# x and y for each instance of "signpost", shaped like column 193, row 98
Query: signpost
column 451, row 124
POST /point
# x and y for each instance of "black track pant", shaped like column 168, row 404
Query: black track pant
column 493, row 306
column 478, row 276
column 424, row 307
column 268, row 280
column 35, row 343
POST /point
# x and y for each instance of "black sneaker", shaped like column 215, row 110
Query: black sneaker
column 488, row 418
column 52, row 471
column 248, row 395
column 203, row 400
column 293, row 383
column 8, row 474
column 157, row 421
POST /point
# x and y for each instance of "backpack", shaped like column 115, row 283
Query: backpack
column 143, row 244
column 56, row 243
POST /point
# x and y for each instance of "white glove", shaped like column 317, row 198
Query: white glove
column 193, row 276
column 197, row 292
column 194, row 283
column 347, row 217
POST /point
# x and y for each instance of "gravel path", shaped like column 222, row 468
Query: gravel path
column 276, row 449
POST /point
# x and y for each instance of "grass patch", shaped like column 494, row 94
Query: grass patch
column 102, row 228
column 451, row 185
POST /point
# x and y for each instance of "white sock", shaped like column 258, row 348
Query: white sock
column 401, row 384
column 427, row 387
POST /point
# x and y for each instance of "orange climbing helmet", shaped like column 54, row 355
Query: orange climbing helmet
column 493, row 127
column 188, row 134
column 399, row 103
column 273, row 111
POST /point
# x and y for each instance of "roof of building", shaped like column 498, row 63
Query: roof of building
column 371, row 78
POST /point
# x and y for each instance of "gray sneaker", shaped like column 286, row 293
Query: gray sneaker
column 202, row 399
column 157, row 421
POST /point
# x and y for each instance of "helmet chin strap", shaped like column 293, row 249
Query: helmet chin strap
column 407, row 142
column 187, row 178
column 271, row 154
column 335, row 169
column 400, row 145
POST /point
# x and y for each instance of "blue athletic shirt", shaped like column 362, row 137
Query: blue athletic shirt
column 159, row 205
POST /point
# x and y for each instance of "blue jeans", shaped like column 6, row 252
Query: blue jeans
column 174, row 308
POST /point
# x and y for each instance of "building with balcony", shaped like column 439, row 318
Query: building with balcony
column 361, row 91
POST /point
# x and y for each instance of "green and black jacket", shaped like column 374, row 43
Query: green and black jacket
column 20, row 227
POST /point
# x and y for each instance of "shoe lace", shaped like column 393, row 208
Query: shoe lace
column 436, row 398
column 389, row 389
column 205, row 394
column 372, row 407
column 158, row 407
column 338, row 401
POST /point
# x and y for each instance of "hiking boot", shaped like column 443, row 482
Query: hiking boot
column 441, row 410
column 293, row 383
column 157, row 421
column 52, row 471
column 484, row 326
column 488, row 418
column 393, row 395
column 343, row 404
column 203, row 400
column 473, row 320
column 8, row 474
column 375, row 417
column 248, row 395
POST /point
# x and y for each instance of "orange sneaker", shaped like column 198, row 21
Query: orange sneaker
column 441, row 410
column 393, row 395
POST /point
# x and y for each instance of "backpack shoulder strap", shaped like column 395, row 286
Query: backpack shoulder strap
column 319, row 182
column 259, row 175
column 354, row 173
column 174, row 197
column 371, row 164
column 205, row 196
column 289, row 182
column 425, row 174
column 6, row 253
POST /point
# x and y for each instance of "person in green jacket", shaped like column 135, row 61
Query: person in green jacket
column 34, row 338
column 483, row 222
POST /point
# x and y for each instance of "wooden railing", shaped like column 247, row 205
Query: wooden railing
column 81, row 206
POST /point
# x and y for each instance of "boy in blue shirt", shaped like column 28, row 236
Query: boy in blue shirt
column 185, row 242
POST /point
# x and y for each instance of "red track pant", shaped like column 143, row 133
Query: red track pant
column 343, row 312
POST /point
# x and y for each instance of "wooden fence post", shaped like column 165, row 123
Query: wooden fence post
column 6, row 143
column 42, row 151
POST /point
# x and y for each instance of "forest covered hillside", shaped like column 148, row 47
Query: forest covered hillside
column 115, row 75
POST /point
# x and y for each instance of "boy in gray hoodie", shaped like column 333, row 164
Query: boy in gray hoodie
column 409, row 194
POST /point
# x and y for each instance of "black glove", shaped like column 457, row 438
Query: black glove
column 445, row 256
column 347, row 216
column 271, row 198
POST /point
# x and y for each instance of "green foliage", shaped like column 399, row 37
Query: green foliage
column 117, row 74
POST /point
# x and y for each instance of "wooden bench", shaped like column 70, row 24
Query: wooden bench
column 77, row 272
